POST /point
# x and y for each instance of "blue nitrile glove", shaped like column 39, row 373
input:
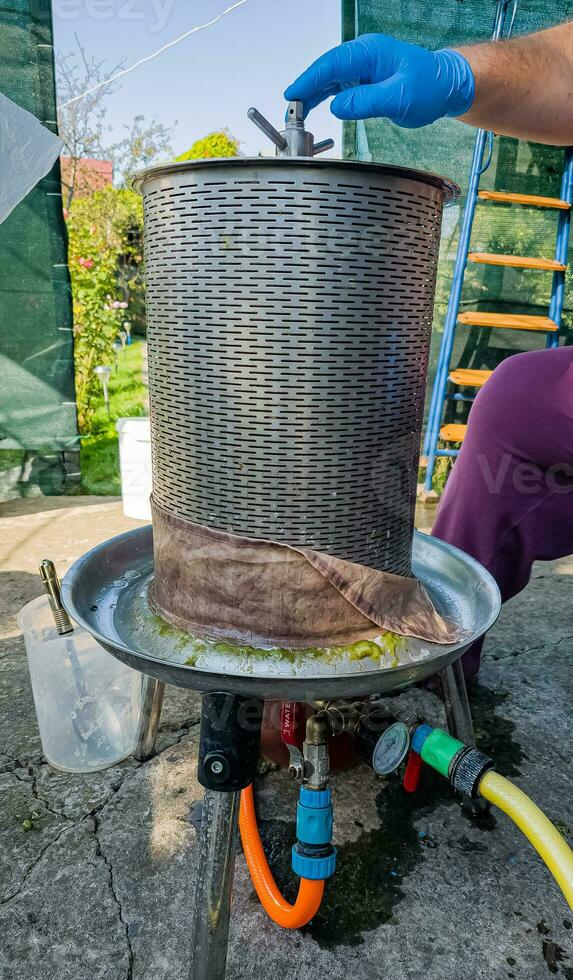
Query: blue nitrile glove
column 376, row 75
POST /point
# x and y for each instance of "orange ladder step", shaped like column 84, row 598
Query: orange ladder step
column 516, row 261
column 454, row 432
column 532, row 199
column 469, row 377
column 508, row 321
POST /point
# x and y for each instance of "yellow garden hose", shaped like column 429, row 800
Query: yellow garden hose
column 469, row 770
column 545, row 838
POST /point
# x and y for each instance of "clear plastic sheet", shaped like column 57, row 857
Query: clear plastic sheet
column 27, row 152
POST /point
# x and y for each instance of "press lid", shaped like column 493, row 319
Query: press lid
column 294, row 146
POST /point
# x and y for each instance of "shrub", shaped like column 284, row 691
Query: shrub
column 221, row 144
column 105, row 261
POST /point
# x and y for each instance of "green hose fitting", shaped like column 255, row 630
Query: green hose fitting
column 439, row 749
column 463, row 765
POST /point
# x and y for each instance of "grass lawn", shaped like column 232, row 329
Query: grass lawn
column 9, row 458
column 100, row 451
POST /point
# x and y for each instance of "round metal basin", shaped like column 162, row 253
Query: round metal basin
column 105, row 592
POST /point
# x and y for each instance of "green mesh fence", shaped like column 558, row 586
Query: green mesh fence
column 37, row 398
column 446, row 148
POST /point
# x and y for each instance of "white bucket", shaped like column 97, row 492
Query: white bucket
column 135, row 466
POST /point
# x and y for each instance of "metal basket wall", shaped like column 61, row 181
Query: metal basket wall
column 289, row 308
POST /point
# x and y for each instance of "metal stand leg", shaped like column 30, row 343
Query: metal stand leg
column 214, row 885
column 459, row 717
column 228, row 754
column 151, row 701
column 456, row 703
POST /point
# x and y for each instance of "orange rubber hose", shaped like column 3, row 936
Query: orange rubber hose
column 280, row 911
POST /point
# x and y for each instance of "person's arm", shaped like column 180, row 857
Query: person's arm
column 522, row 87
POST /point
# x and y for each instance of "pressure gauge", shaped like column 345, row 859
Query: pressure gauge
column 383, row 752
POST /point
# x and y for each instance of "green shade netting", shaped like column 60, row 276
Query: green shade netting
column 37, row 398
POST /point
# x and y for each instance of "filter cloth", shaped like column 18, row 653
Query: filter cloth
column 266, row 594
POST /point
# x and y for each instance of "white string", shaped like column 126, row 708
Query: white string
column 155, row 54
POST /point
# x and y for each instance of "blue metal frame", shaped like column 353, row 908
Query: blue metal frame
column 561, row 248
column 439, row 395
column 430, row 450
column 446, row 347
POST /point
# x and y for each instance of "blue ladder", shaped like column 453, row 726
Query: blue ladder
column 550, row 325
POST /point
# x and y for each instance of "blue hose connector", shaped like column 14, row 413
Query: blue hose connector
column 313, row 856
column 314, row 797
column 314, row 817
column 419, row 737
column 315, row 868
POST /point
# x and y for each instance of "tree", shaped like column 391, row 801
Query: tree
column 142, row 146
column 83, row 128
column 219, row 144
column 81, row 124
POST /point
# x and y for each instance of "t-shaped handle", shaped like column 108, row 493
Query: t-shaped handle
column 295, row 140
column 322, row 147
column 267, row 128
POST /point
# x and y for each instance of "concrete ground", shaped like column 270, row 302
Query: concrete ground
column 101, row 888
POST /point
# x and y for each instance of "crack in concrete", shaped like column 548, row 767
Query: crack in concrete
column 32, row 782
column 181, row 734
column 35, row 863
column 527, row 650
column 552, row 643
column 30, row 779
column 70, row 824
column 568, row 637
column 111, row 882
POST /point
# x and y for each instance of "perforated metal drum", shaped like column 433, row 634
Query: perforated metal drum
column 289, row 307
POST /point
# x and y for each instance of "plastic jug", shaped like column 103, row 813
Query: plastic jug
column 87, row 703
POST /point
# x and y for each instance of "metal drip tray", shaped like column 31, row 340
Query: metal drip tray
column 105, row 591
